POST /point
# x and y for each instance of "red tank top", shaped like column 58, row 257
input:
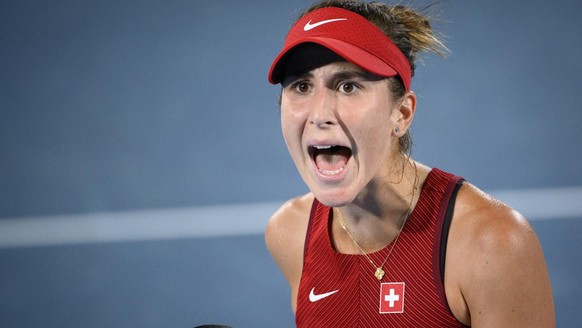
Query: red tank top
column 340, row 290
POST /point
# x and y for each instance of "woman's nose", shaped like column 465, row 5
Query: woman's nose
column 323, row 111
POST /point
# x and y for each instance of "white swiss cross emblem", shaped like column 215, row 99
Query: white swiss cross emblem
column 392, row 297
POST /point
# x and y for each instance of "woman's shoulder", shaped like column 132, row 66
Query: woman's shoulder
column 291, row 216
column 484, row 224
column 479, row 214
column 491, row 244
column 296, row 206
column 285, row 234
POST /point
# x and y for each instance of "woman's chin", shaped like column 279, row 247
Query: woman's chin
column 333, row 198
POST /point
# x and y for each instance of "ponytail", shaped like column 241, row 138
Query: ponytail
column 407, row 27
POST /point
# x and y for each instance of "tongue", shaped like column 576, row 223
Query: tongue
column 332, row 161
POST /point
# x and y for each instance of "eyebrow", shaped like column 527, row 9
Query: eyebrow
column 288, row 78
column 347, row 74
column 356, row 74
column 300, row 75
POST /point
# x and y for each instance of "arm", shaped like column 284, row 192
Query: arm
column 285, row 239
column 501, row 272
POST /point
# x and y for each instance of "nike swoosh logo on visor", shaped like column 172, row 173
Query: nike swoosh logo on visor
column 310, row 26
column 315, row 298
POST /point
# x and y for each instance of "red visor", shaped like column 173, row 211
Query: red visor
column 349, row 35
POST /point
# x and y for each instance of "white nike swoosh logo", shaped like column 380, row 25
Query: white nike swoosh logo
column 310, row 26
column 315, row 298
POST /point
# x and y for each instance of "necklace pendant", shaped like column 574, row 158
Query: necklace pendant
column 379, row 273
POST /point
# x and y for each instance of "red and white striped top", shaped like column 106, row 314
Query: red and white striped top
column 340, row 290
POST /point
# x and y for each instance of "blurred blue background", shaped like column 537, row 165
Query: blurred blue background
column 154, row 114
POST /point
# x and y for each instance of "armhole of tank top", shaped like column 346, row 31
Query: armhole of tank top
column 445, row 229
column 443, row 223
column 314, row 206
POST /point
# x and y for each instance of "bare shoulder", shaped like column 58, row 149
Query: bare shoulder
column 285, row 235
column 495, row 268
column 493, row 222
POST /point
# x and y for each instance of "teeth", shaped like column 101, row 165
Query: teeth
column 322, row 147
column 331, row 173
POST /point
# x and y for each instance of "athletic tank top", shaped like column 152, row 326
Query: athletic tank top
column 340, row 290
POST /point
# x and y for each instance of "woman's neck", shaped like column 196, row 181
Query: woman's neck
column 376, row 216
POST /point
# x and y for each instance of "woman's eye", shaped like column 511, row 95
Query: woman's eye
column 302, row 87
column 348, row 87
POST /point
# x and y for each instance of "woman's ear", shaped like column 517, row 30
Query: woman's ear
column 404, row 113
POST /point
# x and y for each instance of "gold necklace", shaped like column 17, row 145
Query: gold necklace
column 379, row 269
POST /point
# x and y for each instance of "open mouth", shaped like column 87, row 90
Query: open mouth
column 330, row 160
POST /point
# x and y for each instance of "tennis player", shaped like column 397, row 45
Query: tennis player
column 382, row 240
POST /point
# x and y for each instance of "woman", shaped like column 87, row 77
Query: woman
column 382, row 240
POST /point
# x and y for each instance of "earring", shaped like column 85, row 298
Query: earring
column 397, row 130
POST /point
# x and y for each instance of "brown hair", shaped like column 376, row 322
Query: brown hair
column 408, row 28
